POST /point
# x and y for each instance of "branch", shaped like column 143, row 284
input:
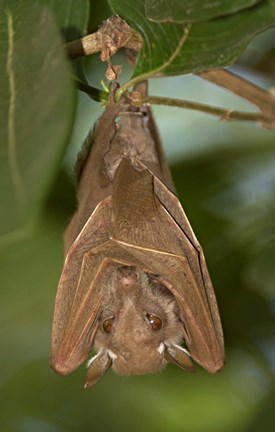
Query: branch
column 225, row 114
column 116, row 33
column 263, row 99
column 113, row 35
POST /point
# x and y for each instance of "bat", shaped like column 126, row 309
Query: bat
column 134, row 286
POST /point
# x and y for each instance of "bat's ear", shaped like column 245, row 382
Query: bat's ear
column 97, row 367
column 179, row 356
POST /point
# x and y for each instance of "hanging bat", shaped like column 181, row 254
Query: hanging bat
column 135, row 285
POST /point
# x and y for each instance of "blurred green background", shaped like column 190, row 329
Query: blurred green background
column 225, row 178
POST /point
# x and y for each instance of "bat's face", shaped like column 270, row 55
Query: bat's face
column 139, row 327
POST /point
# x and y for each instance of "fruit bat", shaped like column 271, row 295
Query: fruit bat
column 134, row 286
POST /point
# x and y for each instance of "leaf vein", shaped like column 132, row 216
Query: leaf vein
column 16, row 176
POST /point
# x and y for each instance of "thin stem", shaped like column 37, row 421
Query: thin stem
column 96, row 94
column 225, row 114
column 131, row 83
column 115, row 34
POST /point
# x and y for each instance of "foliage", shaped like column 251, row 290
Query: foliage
column 227, row 188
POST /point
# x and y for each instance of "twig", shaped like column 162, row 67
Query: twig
column 116, row 33
column 113, row 35
column 225, row 114
column 263, row 99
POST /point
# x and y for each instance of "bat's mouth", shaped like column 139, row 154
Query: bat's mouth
column 138, row 365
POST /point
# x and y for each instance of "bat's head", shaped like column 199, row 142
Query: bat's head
column 139, row 328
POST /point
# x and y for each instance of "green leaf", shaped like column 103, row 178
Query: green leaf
column 161, row 42
column 170, row 50
column 72, row 16
column 220, row 42
column 179, row 11
column 36, row 111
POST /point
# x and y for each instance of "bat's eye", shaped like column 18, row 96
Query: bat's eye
column 107, row 325
column 154, row 321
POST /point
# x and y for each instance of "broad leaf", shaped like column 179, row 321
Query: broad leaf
column 220, row 42
column 193, row 10
column 170, row 50
column 71, row 16
column 161, row 42
column 36, row 111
